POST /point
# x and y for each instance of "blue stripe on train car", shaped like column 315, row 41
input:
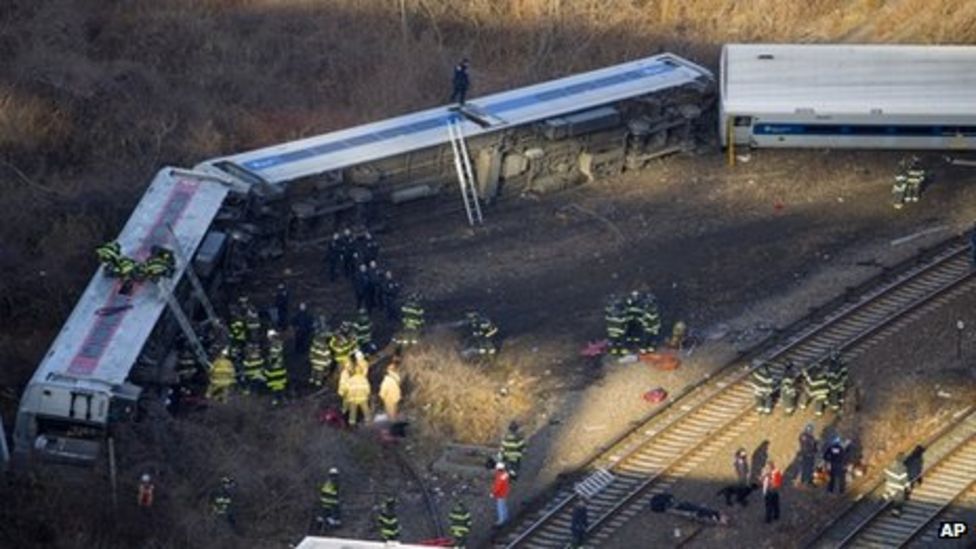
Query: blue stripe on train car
column 856, row 130
column 497, row 108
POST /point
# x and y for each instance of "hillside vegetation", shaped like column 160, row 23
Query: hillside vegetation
column 96, row 96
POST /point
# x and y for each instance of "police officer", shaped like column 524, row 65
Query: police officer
column 616, row 319
column 460, row 82
column 388, row 522
column 304, row 324
column 391, row 291
column 329, row 500
column 579, row 523
column 788, row 395
column 460, row 519
column 412, row 320
column 376, row 283
column 275, row 374
column 513, row 449
column 762, row 388
column 815, row 388
column 282, row 302
column 835, row 455
column 808, row 455
column 368, row 248
column 335, row 256
column 897, row 483
column 349, row 265
column 362, row 286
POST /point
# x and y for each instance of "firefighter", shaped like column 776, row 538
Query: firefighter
column 460, row 519
column 342, row 346
column 357, row 392
column 512, row 450
column 254, row 365
column 898, row 189
column 390, row 393
column 252, row 322
column 461, row 82
column 897, row 483
column 109, row 254
column 836, row 382
column 331, row 513
column 320, row 356
column 275, row 373
column 335, row 257
column 363, row 329
column 788, row 394
column 238, row 333
column 146, row 492
column 634, row 310
column 391, row 290
column 411, row 320
column 388, row 522
column 160, row 264
column 650, row 323
column 914, row 179
column 186, row 366
column 815, row 388
column 221, row 378
column 616, row 319
column 483, row 331
column 763, row 388
column 221, row 501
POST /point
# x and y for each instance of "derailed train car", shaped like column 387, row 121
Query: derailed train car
column 231, row 212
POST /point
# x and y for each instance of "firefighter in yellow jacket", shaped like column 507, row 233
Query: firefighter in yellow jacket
column 390, row 391
column 357, row 396
column 221, row 377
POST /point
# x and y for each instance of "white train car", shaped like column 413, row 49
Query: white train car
column 583, row 125
column 848, row 96
column 82, row 384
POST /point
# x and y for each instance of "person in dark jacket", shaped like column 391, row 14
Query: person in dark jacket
column 835, row 456
column 304, row 324
column 461, row 82
column 335, row 257
column 363, row 287
column 741, row 463
column 808, row 455
column 281, row 306
column 580, row 523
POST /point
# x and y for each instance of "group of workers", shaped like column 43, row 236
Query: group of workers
column 908, row 183
column 161, row 263
column 823, row 383
column 356, row 255
column 633, row 323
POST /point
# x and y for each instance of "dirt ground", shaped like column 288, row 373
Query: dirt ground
column 734, row 252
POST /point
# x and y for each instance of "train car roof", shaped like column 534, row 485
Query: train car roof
column 315, row 542
column 105, row 333
column 349, row 147
column 849, row 79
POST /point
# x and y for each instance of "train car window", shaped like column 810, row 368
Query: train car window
column 742, row 121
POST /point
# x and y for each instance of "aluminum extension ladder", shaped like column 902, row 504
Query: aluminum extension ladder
column 198, row 291
column 166, row 290
column 462, row 163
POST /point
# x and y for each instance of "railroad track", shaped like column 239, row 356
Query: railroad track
column 948, row 485
column 653, row 457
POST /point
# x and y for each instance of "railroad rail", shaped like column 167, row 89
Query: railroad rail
column 947, row 481
column 655, row 455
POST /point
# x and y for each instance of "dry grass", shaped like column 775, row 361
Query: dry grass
column 462, row 400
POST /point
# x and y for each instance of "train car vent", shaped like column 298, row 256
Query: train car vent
column 764, row 56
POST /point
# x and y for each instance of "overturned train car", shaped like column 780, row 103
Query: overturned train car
column 225, row 216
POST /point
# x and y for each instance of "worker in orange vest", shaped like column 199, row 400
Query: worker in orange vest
column 146, row 490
